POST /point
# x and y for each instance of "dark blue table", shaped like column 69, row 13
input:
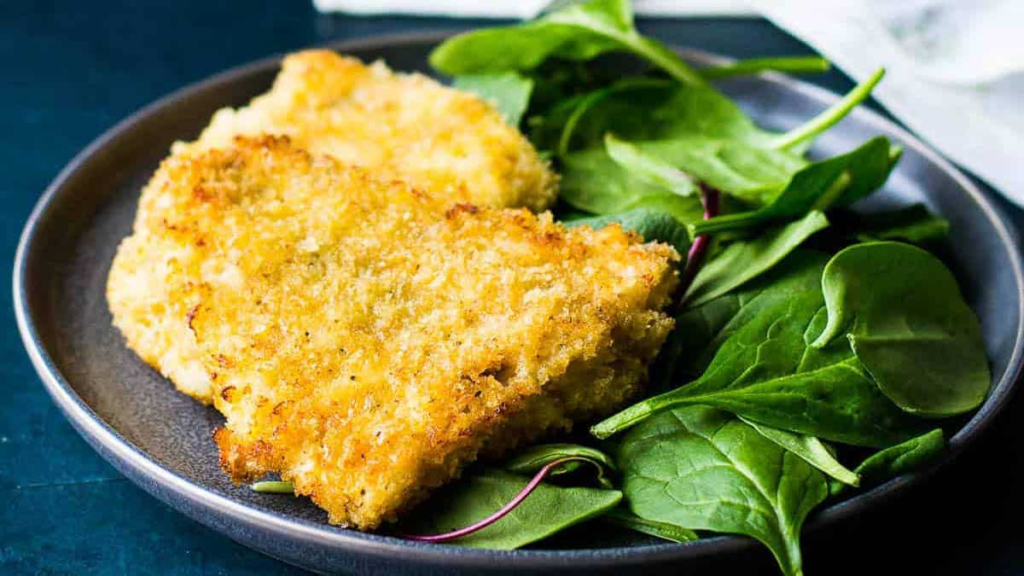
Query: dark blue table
column 69, row 70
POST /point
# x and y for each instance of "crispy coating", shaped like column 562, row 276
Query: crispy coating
column 367, row 340
column 402, row 126
column 405, row 126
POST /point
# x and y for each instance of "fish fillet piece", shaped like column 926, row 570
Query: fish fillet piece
column 405, row 125
column 366, row 340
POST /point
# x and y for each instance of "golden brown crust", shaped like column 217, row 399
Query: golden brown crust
column 367, row 340
column 404, row 126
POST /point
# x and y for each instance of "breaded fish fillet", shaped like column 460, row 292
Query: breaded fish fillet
column 367, row 340
column 405, row 126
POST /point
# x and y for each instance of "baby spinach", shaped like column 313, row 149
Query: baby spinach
column 652, row 225
column 905, row 319
column 810, row 449
column 788, row 64
column 507, row 91
column 549, row 509
column 701, row 468
column 767, row 371
column 898, row 459
column 742, row 260
column 643, row 109
column 536, row 457
column 837, row 181
column 596, row 184
column 914, row 224
column 663, row 530
column 647, row 168
column 799, row 138
column 579, row 31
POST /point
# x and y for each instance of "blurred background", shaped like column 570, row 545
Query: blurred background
column 73, row 69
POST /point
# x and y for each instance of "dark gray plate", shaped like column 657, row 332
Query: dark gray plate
column 161, row 439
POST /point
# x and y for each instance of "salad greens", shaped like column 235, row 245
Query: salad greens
column 663, row 530
column 810, row 449
column 548, row 510
column 579, row 31
column 802, row 329
column 901, row 310
column 705, row 469
column 508, row 91
column 767, row 371
column 652, row 225
column 744, row 260
column 533, row 459
column 904, row 457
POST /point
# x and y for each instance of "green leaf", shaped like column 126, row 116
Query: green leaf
column 701, row 468
column 647, row 168
column 652, row 225
column 898, row 459
column 788, row 64
column 800, row 137
column 643, row 109
column 592, row 182
column 765, row 370
column 837, row 181
column 549, row 509
column 914, row 224
column 744, row 260
column 906, row 321
column 273, row 487
column 810, row 449
column 663, row 530
column 579, row 31
column 508, row 92
column 536, row 457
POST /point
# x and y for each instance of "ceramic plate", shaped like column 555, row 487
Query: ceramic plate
column 161, row 439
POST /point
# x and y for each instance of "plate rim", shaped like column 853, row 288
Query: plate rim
column 165, row 483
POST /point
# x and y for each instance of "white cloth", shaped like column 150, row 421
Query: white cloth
column 955, row 70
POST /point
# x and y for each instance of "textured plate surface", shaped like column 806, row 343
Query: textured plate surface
column 161, row 440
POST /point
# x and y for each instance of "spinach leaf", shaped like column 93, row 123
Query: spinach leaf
column 914, row 224
column 579, row 31
column 647, row 168
column 701, row 468
column 810, row 449
column 548, row 510
column 592, row 182
column 789, row 64
column 837, row 181
column 652, row 225
column 508, row 92
column 799, row 138
column 744, row 260
column 767, row 371
column 903, row 315
column 898, row 459
column 643, row 109
column 536, row 457
column 663, row 530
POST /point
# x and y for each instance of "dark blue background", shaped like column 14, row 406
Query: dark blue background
column 70, row 70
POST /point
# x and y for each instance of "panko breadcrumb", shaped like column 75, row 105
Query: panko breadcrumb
column 404, row 126
column 366, row 339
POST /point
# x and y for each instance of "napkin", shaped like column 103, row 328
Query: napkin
column 955, row 70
